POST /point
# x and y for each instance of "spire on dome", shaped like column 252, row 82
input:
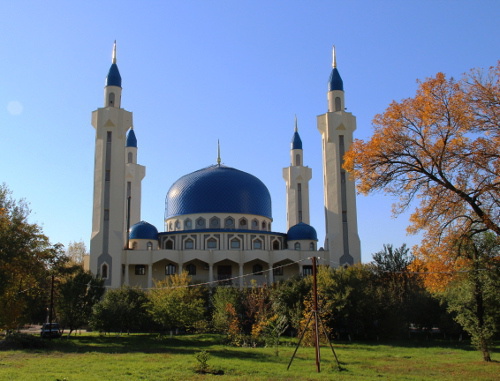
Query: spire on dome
column 335, row 82
column 296, row 141
column 114, row 78
column 218, row 153
column 113, row 57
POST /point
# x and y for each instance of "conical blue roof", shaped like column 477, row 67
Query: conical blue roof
column 114, row 78
column 131, row 139
column 296, row 141
column 335, row 82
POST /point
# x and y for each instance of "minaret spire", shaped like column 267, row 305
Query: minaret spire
column 296, row 128
column 334, row 58
column 113, row 57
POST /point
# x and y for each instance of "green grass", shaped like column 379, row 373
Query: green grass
column 150, row 357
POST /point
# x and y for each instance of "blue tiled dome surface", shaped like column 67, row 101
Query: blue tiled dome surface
column 143, row 230
column 218, row 189
column 335, row 82
column 114, row 78
column 302, row 231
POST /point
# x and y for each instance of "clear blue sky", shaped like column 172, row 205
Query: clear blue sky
column 197, row 71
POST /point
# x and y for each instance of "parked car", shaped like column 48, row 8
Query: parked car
column 50, row 330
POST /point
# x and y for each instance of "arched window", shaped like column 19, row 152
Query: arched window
column 311, row 246
column 189, row 244
column 243, row 223
column 215, row 222
column 212, row 243
column 229, row 222
column 200, row 223
column 264, row 225
column 111, row 99
column 170, row 269
column 338, row 104
column 297, row 160
column 255, row 224
column 169, row 245
column 257, row 244
column 104, row 271
column 188, row 224
column 130, row 157
column 134, row 246
column 257, row 269
column 177, row 225
column 276, row 245
column 235, row 244
column 297, row 246
column 191, row 269
column 150, row 245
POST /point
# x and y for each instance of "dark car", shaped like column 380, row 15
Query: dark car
column 50, row 330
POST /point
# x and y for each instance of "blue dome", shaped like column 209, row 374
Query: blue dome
column 296, row 141
column 114, row 78
column 302, row 231
column 143, row 230
column 335, row 82
column 218, row 189
column 131, row 139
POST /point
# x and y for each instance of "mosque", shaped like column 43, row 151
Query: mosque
column 218, row 219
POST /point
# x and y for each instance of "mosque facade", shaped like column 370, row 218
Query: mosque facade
column 217, row 220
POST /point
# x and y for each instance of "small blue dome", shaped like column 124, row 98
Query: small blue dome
column 131, row 139
column 302, row 231
column 218, row 189
column 296, row 141
column 143, row 230
column 335, row 82
column 114, row 78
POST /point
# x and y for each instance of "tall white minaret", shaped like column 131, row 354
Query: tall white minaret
column 108, row 238
column 337, row 127
column 297, row 184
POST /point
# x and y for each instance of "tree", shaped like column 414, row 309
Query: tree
column 173, row 303
column 76, row 252
column 442, row 147
column 122, row 310
column 472, row 294
column 77, row 294
column 26, row 257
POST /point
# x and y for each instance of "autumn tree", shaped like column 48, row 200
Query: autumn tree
column 76, row 252
column 440, row 149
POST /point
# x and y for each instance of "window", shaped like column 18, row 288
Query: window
column 257, row 244
column 104, row 271
column 215, row 222
column 188, row 224
column 111, row 99
column 177, row 225
column 255, row 224
column 276, row 245
column 211, row 243
column 191, row 269
column 229, row 222
column 170, row 269
column 307, row 270
column 278, row 270
column 297, row 246
column 235, row 243
column 264, row 225
column 338, row 104
column 169, row 245
column 297, row 160
column 130, row 157
column 257, row 269
column 140, row 269
column 311, row 246
column 200, row 223
column 134, row 246
column 150, row 246
column 189, row 244
column 243, row 223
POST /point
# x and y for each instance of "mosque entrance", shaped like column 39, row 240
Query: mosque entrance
column 224, row 274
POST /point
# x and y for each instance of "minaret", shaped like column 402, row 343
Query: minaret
column 108, row 238
column 134, row 175
column 297, row 184
column 337, row 127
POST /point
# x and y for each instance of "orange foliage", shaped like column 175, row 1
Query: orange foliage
column 441, row 149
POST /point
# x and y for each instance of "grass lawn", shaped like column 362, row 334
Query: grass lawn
column 151, row 357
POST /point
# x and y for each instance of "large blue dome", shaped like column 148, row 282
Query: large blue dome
column 218, row 189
